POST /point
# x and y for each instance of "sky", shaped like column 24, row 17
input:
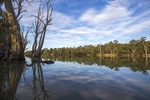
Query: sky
column 91, row 22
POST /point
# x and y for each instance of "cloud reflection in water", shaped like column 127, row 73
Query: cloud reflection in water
column 72, row 81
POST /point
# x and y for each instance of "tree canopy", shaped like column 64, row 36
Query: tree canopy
column 135, row 48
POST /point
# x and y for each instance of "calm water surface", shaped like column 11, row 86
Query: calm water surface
column 74, row 81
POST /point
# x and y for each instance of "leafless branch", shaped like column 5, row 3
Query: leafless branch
column 40, row 28
column 24, row 37
column 19, row 8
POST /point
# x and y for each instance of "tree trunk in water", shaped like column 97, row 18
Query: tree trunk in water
column 145, row 49
column 41, row 25
column 16, row 40
column 132, row 54
column 100, row 51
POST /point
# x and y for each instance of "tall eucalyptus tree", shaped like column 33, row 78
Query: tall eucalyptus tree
column 13, row 15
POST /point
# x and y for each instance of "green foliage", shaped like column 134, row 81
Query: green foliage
column 112, row 48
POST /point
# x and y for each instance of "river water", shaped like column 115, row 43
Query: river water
column 105, row 79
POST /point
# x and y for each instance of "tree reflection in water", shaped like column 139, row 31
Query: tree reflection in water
column 114, row 63
column 11, row 72
column 10, row 76
column 38, row 88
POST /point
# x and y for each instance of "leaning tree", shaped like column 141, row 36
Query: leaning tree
column 42, row 21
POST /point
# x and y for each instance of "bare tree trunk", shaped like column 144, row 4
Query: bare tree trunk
column 145, row 49
column 40, row 27
column 100, row 50
column 16, row 40
column 133, row 52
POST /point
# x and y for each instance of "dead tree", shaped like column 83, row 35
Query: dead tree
column 24, row 36
column 40, row 26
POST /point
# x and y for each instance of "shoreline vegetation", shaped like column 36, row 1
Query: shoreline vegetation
column 135, row 48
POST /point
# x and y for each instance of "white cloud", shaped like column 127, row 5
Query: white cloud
column 80, row 31
column 138, row 27
column 109, row 15
column 32, row 9
column 61, row 20
column 114, row 21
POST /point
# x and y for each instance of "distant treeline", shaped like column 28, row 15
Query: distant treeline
column 135, row 48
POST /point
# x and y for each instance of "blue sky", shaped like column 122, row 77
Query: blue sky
column 85, row 22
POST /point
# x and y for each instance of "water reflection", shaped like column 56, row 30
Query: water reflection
column 37, row 83
column 76, row 78
column 10, row 77
column 10, row 74
column 135, row 64
column 72, row 81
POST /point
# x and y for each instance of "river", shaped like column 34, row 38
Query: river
column 76, row 79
